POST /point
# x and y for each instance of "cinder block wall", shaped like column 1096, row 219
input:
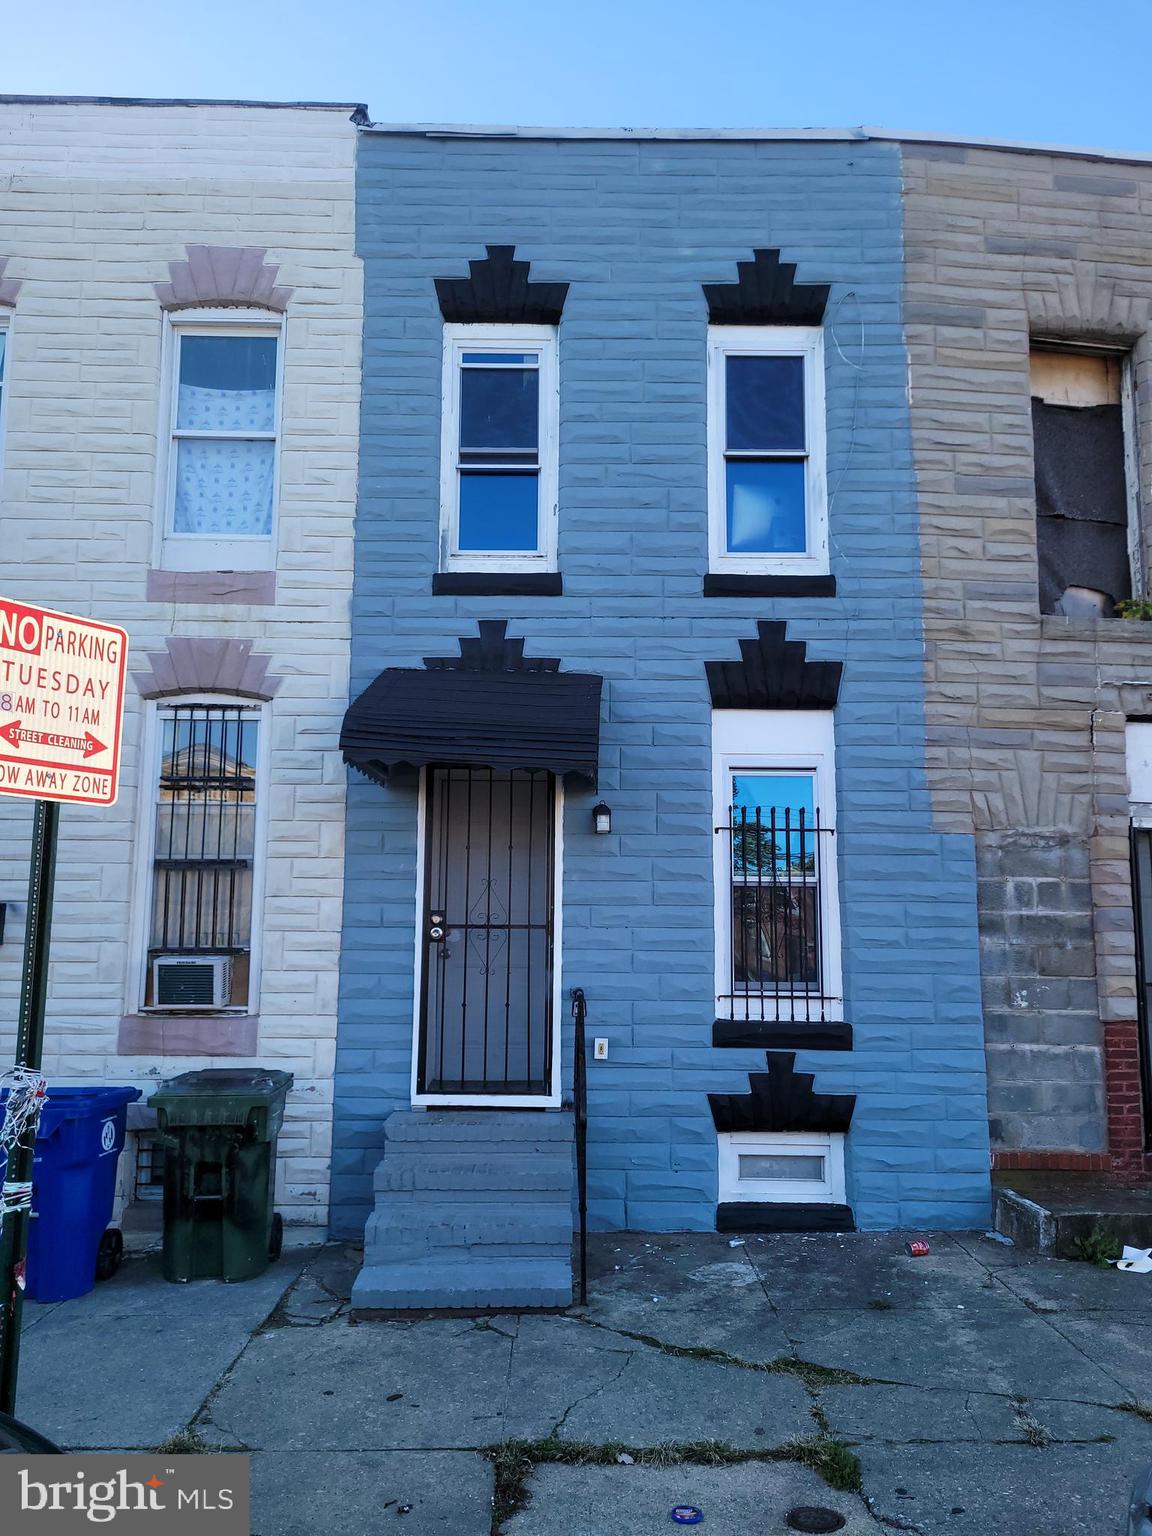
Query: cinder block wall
column 1026, row 713
column 95, row 203
column 636, row 227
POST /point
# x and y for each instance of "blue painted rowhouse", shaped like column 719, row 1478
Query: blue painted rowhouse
column 638, row 536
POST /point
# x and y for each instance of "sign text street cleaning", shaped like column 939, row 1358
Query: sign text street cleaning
column 61, row 705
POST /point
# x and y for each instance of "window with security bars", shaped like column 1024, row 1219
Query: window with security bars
column 778, row 851
column 200, row 919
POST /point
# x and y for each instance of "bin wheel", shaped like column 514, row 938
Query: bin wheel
column 109, row 1253
column 276, row 1238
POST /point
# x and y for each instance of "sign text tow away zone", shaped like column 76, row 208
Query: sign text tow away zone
column 61, row 705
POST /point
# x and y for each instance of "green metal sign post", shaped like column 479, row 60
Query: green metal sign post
column 29, row 1055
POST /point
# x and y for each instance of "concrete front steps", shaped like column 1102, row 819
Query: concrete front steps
column 1053, row 1213
column 473, row 1213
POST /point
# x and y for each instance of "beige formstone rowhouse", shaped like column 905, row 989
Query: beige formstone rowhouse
column 1027, row 712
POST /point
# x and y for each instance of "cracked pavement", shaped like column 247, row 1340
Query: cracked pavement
column 981, row 1388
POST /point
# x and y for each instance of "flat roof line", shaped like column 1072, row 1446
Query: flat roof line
column 1013, row 146
column 358, row 112
column 862, row 134
column 356, row 109
column 513, row 131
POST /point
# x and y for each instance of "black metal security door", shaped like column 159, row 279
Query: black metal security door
column 486, row 988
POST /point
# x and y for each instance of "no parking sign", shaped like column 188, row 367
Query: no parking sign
column 61, row 705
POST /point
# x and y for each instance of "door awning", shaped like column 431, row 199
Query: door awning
column 490, row 707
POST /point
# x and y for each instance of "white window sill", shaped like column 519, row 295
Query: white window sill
column 207, row 552
column 801, row 566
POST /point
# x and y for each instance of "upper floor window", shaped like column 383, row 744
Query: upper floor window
column 1087, row 527
column 203, row 864
column 766, row 472
column 224, row 421
column 777, row 920
column 499, row 448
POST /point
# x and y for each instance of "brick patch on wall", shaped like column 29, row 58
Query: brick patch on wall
column 1122, row 1083
column 1052, row 1162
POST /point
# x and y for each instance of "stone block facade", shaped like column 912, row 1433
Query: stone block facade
column 1026, row 713
column 99, row 202
column 636, row 228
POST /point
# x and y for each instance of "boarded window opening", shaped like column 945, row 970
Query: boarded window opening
column 1081, row 488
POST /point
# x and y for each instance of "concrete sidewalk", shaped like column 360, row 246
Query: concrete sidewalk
column 981, row 1390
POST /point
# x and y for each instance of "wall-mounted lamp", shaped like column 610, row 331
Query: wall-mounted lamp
column 601, row 818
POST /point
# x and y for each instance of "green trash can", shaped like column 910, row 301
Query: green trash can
column 218, row 1129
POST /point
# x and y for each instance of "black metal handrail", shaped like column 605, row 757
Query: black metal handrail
column 580, row 1106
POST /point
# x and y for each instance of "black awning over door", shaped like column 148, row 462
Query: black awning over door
column 507, row 719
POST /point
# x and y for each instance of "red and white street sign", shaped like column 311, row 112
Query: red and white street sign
column 61, row 705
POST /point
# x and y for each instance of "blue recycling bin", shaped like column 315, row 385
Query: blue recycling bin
column 77, row 1150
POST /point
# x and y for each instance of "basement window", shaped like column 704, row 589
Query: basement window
column 797, row 1167
column 1085, row 515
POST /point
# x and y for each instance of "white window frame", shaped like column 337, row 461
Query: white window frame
column 541, row 339
column 204, row 551
column 826, row 1144
column 807, row 342
column 785, row 741
column 153, row 746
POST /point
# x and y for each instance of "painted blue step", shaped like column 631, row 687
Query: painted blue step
column 469, row 1284
column 406, row 1231
column 473, row 1211
column 527, row 1170
column 478, row 1126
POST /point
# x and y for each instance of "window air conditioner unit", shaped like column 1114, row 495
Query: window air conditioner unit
column 191, row 981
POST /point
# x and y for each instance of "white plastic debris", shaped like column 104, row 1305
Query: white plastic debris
column 999, row 1237
column 1136, row 1261
column 625, row 1460
column 735, row 1242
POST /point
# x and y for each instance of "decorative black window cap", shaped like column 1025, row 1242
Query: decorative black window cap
column 781, row 1099
column 719, row 585
column 773, row 673
column 497, row 291
column 773, row 1216
column 497, row 584
column 740, row 1034
column 766, row 293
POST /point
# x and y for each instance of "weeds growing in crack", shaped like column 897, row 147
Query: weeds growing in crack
column 513, row 1462
column 880, row 1304
column 1136, row 1405
column 185, row 1442
column 1097, row 1246
column 1030, row 1427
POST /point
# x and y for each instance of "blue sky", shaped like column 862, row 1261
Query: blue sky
column 1047, row 70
